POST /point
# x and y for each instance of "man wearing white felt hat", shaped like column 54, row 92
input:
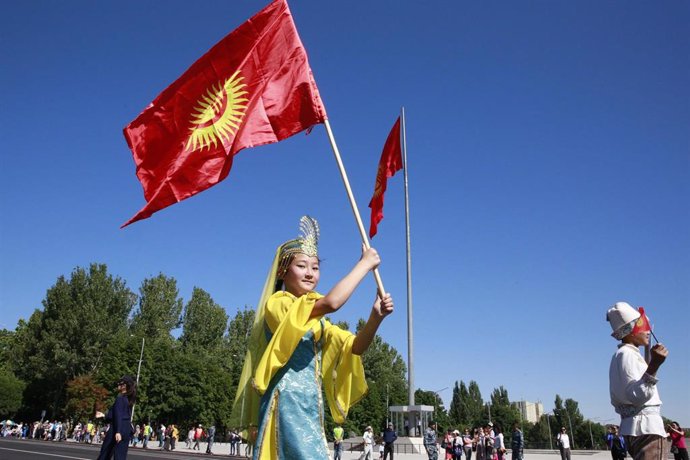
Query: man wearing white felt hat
column 632, row 383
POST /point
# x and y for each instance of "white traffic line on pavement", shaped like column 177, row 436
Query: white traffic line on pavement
column 43, row 453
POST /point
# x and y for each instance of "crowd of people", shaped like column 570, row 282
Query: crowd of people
column 481, row 443
column 46, row 431
column 146, row 435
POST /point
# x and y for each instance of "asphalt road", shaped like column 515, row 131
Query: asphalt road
column 15, row 449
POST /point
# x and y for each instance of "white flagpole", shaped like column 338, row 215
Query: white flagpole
column 410, row 343
column 353, row 204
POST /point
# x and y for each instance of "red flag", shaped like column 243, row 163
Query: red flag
column 642, row 323
column 389, row 164
column 254, row 87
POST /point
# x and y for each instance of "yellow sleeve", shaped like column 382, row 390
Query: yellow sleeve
column 342, row 372
column 287, row 317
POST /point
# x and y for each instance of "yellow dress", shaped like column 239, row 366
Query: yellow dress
column 302, row 356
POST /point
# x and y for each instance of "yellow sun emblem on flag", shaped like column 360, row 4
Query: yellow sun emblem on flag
column 218, row 114
column 378, row 188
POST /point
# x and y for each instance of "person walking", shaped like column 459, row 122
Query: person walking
column 615, row 443
column 168, row 436
column 447, row 444
column 160, row 433
column 368, row 437
column 234, row 439
column 499, row 442
column 467, row 444
column 189, row 442
column 175, row 433
column 489, row 441
column 147, row 435
column 338, row 442
column 678, row 447
column 389, row 437
column 120, row 415
column 480, row 444
column 457, row 445
column 430, row 444
column 563, row 442
column 197, row 437
column 136, row 436
column 87, row 435
column 517, row 443
column 210, row 438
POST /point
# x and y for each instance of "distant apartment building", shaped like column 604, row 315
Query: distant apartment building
column 530, row 411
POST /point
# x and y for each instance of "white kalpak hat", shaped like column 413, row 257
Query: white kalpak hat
column 622, row 318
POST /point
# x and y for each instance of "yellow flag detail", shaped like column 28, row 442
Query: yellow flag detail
column 218, row 114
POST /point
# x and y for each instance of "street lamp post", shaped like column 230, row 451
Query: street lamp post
column 387, row 408
column 591, row 438
column 548, row 423
column 438, row 398
column 141, row 357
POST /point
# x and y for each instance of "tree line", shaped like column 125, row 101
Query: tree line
column 92, row 329
column 65, row 359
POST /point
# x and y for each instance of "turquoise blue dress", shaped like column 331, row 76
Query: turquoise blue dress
column 294, row 390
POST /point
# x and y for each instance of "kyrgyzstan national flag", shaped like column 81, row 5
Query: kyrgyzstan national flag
column 642, row 323
column 254, row 87
column 390, row 163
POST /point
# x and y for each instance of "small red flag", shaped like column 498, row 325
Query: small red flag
column 642, row 323
column 389, row 164
column 254, row 87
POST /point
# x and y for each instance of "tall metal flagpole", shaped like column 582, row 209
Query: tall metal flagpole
column 353, row 204
column 410, row 344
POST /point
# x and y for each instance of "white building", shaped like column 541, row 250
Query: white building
column 530, row 411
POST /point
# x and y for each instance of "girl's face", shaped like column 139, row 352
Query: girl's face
column 302, row 275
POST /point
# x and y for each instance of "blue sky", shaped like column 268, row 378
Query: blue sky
column 549, row 174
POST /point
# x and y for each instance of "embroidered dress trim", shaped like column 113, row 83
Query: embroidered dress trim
column 269, row 413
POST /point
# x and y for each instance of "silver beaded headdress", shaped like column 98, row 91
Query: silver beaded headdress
column 307, row 243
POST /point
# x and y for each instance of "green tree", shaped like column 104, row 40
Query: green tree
column 184, row 387
column 70, row 337
column 159, row 308
column 432, row 398
column 538, row 435
column 239, row 329
column 467, row 408
column 7, row 338
column 188, row 381
column 455, row 409
column 503, row 413
column 11, row 389
column 204, row 323
column 477, row 415
column 597, row 436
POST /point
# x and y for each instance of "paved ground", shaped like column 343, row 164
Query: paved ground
column 14, row 449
